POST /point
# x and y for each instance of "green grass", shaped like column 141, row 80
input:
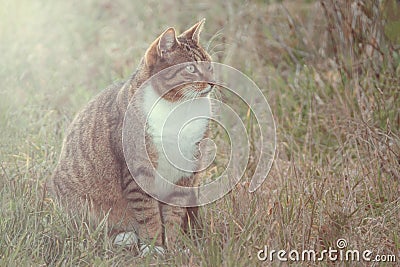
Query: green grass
column 336, row 173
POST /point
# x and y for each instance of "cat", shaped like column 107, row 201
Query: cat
column 92, row 168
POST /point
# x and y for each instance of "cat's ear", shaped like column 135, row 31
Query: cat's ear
column 194, row 31
column 162, row 45
column 167, row 41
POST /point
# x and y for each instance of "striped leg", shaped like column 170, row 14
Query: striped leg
column 144, row 209
column 175, row 221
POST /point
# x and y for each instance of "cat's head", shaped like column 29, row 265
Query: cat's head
column 169, row 50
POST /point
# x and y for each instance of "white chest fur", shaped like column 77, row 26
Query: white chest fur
column 175, row 128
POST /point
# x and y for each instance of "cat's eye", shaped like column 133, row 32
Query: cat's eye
column 190, row 68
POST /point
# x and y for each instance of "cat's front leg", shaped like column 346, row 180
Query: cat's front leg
column 175, row 222
column 148, row 221
column 177, row 219
column 143, row 209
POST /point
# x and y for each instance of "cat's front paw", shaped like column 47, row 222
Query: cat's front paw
column 126, row 239
column 155, row 250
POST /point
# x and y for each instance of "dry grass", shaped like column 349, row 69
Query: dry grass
column 329, row 69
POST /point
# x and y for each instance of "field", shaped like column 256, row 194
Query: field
column 329, row 70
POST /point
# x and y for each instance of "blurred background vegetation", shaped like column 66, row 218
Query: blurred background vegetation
column 329, row 69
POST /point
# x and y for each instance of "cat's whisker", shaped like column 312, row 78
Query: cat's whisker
column 216, row 52
column 191, row 96
column 215, row 36
column 215, row 46
column 223, row 84
column 217, row 93
column 179, row 91
column 176, row 93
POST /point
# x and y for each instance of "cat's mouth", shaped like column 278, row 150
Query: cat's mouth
column 193, row 91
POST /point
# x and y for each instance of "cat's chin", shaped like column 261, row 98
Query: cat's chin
column 206, row 90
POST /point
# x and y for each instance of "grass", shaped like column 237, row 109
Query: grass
column 336, row 105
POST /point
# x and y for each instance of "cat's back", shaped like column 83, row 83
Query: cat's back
column 102, row 107
column 92, row 148
column 93, row 125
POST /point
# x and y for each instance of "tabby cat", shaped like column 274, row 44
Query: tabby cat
column 92, row 168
